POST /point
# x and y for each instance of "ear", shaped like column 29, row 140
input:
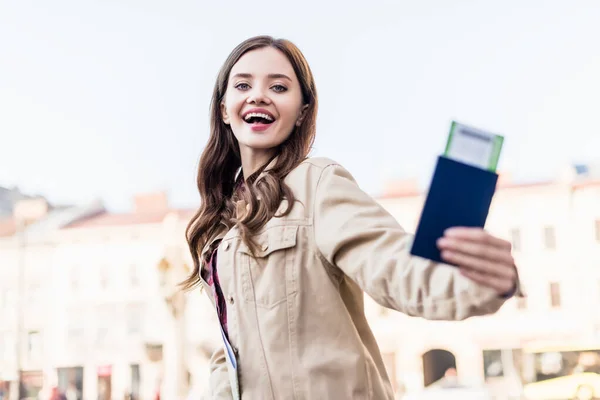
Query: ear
column 224, row 114
column 302, row 115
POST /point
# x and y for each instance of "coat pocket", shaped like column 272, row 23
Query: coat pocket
column 270, row 276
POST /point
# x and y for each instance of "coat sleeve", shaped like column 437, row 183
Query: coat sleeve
column 355, row 234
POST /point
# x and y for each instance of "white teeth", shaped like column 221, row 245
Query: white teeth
column 261, row 115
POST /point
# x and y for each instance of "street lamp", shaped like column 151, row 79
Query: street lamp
column 25, row 212
column 172, row 270
column 16, row 392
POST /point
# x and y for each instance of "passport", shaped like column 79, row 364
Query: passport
column 459, row 195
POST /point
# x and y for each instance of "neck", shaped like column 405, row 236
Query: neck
column 252, row 160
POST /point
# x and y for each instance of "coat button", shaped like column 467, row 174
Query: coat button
column 231, row 300
column 226, row 246
column 265, row 247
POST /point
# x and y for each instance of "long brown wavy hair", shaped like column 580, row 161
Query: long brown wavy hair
column 220, row 161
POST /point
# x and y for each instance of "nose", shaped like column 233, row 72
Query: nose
column 258, row 96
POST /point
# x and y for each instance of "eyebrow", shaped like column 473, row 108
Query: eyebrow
column 270, row 76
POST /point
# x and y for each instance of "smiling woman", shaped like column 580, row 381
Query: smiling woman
column 285, row 245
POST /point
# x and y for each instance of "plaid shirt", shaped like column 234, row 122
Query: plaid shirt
column 210, row 275
column 209, row 271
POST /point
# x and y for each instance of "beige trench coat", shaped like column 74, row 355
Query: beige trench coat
column 295, row 312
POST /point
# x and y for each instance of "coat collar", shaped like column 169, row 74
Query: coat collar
column 240, row 208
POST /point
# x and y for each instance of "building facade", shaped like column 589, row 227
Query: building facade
column 101, row 314
column 26, row 254
column 554, row 228
column 94, row 296
column 116, row 321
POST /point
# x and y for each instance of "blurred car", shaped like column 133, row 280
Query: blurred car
column 579, row 386
column 451, row 393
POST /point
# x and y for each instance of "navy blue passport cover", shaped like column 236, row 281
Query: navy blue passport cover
column 459, row 195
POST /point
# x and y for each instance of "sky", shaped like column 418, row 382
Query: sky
column 105, row 99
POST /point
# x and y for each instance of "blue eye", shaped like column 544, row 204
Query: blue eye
column 242, row 86
column 279, row 88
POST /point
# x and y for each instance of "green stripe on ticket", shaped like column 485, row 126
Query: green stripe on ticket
column 473, row 146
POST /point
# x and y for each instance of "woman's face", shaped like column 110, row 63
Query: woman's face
column 263, row 100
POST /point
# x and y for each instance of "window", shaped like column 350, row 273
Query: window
column 104, row 277
column 3, row 299
column 34, row 294
column 492, row 364
column 135, row 380
column 75, row 334
column 105, row 318
column 515, row 239
column 8, row 301
column 498, row 363
column 549, row 237
column 11, row 298
column 7, row 347
column 3, row 346
column 71, row 377
column 555, row 294
column 101, row 337
column 75, row 330
column 135, row 318
column 134, row 279
column 34, row 345
column 74, row 278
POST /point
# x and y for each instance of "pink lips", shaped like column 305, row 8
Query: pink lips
column 258, row 127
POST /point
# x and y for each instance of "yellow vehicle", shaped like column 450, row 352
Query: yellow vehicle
column 560, row 373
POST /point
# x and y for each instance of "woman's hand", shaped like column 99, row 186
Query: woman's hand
column 480, row 257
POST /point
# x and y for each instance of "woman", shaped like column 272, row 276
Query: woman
column 285, row 245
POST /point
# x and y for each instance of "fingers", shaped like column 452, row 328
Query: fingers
column 475, row 251
column 477, row 235
column 500, row 285
column 481, row 265
column 480, row 256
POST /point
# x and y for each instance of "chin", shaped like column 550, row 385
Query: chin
column 262, row 142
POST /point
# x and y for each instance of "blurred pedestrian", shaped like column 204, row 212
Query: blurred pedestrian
column 72, row 393
column 449, row 380
column 55, row 394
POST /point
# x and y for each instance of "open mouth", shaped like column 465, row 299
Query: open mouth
column 258, row 118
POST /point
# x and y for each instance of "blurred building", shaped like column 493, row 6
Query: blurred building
column 95, row 303
column 93, row 295
column 26, row 251
column 554, row 227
